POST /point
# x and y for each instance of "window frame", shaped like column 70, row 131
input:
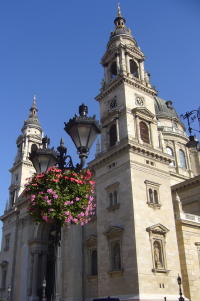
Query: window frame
column 154, row 187
column 6, row 242
column 142, row 136
column 113, row 202
column 182, row 158
column 115, row 234
column 171, row 153
column 91, row 244
column 157, row 233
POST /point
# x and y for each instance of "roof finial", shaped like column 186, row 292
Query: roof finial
column 119, row 10
column 34, row 105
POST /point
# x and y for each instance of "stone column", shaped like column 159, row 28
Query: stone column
column 151, row 134
column 58, row 279
column 141, row 70
column 118, row 64
column 176, row 156
column 105, row 72
column 188, row 162
column 117, row 129
column 123, row 61
column 137, row 129
column 34, row 284
column 127, row 63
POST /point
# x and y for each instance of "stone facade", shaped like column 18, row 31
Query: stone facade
column 147, row 226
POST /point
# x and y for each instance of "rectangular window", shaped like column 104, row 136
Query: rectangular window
column 7, row 242
column 113, row 196
column 3, row 279
column 115, row 255
column 153, row 198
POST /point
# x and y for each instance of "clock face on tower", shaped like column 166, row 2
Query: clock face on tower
column 112, row 104
column 139, row 101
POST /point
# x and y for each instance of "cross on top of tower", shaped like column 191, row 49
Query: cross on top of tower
column 119, row 10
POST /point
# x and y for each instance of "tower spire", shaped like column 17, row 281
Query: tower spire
column 119, row 20
column 119, row 10
column 32, row 120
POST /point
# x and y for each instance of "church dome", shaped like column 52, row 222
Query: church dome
column 165, row 108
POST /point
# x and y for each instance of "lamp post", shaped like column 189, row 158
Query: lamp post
column 9, row 292
column 83, row 131
column 44, row 284
column 180, row 290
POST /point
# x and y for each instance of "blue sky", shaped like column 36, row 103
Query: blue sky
column 53, row 48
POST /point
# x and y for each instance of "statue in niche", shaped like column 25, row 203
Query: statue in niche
column 157, row 255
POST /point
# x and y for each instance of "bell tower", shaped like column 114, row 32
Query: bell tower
column 126, row 91
column 22, row 167
column 137, row 245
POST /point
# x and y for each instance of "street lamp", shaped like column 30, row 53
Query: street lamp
column 82, row 130
column 44, row 290
column 9, row 292
column 180, row 290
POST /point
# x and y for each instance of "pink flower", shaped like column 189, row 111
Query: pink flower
column 49, row 202
column 88, row 174
column 45, row 218
column 55, row 196
column 46, row 197
column 77, row 199
column 50, row 190
column 92, row 182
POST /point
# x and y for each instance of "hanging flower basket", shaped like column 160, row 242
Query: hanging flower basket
column 62, row 197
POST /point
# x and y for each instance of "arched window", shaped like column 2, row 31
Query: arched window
column 115, row 197
column 155, row 196
column 113, row 134
column 116, row 256
column 94, row 267
column 182, row 159
column 171, row 153
column 144, row 132
column 113, row 70
column 150, row 195
column 134, row 68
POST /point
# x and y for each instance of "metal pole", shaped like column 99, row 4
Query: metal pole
column 44, row 290
column 179, row 280
column 9, row 292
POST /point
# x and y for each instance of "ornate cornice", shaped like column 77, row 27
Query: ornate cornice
column 131, row 146
column 124, row 79
column 114, row 231
column 186, row 184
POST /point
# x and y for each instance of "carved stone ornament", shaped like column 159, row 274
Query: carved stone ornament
column 91, row 241
column 4, row 263
column 158, row 229
column 139, row 100
column 114, row 231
